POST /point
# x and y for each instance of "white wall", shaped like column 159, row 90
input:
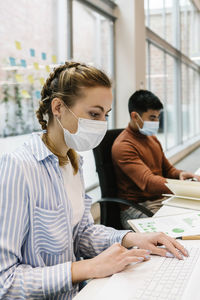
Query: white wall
column 130, row 55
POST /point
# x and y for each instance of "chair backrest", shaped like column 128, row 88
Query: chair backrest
column 110, row 204
column 110, row 211
column 104, row 165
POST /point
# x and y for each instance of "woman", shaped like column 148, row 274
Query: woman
column 45, row 221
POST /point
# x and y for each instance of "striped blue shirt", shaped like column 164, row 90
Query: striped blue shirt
column 37, row 240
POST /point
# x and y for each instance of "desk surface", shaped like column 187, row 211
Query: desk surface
column 96, row 286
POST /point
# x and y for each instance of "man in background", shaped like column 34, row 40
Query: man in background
column 139, row 161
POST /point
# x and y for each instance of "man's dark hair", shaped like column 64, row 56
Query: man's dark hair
column 141, row 101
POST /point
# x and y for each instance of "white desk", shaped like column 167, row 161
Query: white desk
column 136, row 273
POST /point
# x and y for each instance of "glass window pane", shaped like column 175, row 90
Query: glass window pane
column 181, row 32
column 187, row 27
column 185, row 104
column 155, row 16
column 148, row 65
column 169, row 17
column 157, row 79
column 92, row 37
column 93, row 41
column 194, row 47
column 197, row 102
column 146, row 11
column 170, row 103
column 191, row 103
column 160, row 18
column 26, row 52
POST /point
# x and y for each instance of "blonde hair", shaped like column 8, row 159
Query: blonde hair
column 66, row 82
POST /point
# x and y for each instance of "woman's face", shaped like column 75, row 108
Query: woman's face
column 95, row 104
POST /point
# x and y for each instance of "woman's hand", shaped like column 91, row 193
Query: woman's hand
column 116, row 258
column 112, row 260
column 151, row 241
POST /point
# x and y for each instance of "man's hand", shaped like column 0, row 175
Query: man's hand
column 186, row 175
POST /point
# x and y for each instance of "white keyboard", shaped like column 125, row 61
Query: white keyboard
column 169, row 280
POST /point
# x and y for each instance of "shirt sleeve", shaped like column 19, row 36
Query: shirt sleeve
column 96, row 238
column 19, row 280
column 128, row 160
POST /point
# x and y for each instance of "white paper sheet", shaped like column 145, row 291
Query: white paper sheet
column 174, row 226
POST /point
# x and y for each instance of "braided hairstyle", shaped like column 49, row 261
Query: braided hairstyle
column 66, row 82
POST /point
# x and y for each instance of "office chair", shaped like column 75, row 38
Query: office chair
column 110, row 203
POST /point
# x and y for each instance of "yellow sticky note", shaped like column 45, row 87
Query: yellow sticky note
column 18, row 45
column 25, row 94
column 19, row 78
column 42, row 80
column 30, row 79
column 54, row 59
column 48, row 69
column 36, row 65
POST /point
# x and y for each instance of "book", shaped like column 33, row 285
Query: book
column 182, row 202
column 186, row 194
column 175, row 226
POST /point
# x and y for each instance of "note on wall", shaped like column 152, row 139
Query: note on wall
column 12, row 61
column 30, row 79
column 42, row 80
column 19, row 78
column 48, row 69
column 44, row 56
column 36, row 65
column 37, row 94
column 25, row 94
column 54, row 59
column 32, row 52
column 23, row 63
column 18, row 45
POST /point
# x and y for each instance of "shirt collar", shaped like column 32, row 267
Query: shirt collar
column 39, row 149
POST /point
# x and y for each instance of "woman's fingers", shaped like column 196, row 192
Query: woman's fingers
column 140, row 253
column 173, row 248
column 165, row 252
column 177, row 245
column 135, row 255
column 132, row 259
column 115, row 258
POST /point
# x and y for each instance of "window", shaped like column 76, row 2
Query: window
column 190, row 102
column 27, row 53
column 160, row 18
column 38, row 35
column 173, row 77
column 171, row 112
column 92, row 37
column 156, row 80
column 34, row 42
column 92, row 43
column 93, row 40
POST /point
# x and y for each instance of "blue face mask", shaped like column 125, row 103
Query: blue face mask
column 149, row 128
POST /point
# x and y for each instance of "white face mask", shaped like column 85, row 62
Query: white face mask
column 149, row 127
column 88, row 135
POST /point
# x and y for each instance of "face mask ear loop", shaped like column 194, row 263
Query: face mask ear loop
column 70, row 110
column 140, row 120
column 59, row 122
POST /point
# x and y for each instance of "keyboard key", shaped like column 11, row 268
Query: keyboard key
column 169, row 280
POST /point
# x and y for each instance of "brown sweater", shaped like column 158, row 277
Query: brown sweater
column 141, row 166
